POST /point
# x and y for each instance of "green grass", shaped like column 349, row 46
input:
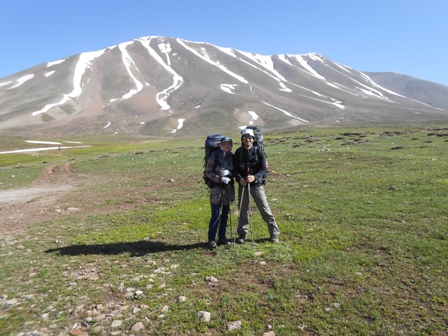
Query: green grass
column 363, row 247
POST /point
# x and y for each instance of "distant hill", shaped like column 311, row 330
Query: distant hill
column 172, row 87
column 427, row 92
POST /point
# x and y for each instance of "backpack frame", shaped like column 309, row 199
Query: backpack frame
column 211, row 145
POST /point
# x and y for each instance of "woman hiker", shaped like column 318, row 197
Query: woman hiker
column 219, row 169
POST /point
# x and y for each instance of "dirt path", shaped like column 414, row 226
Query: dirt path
column 22, row 208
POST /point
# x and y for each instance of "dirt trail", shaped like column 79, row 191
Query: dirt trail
column 22, row 208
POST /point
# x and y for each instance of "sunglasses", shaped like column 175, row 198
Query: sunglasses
column 247, row 137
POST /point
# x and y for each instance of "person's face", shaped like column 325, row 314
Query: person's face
column 226, row 146
column 248, row 141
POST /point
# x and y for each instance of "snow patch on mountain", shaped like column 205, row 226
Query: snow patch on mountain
column 180, row 124
column 165, row 48
column 22, row 80
column 303, row 62
column 49, row 73
column 228, row 88
column 49, row 64
column 84, row 63
column 203, row 55
column 284, row 88
column 130, row 66
column 254, row 117
column 265, row 62
column 5, row 83
column 285, row 112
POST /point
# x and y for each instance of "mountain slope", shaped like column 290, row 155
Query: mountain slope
column 168, row 86
column 427, row 92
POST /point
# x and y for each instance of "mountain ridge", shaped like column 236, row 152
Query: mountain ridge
column 168, row 86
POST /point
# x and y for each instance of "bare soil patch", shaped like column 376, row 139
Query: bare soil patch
column 23, row 207
column 58, row 191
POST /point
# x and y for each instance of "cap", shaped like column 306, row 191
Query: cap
column 226, row 139
column 247, row 131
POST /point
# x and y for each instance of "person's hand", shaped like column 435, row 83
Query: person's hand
column 225, row 173
column 250, row 178
column 243, row 182
column 225, row 180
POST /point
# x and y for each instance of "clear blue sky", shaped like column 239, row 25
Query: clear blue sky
column 404, row 36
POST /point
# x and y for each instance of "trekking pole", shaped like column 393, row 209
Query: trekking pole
column 240, row 202
column 232, row 242
column 251, row 229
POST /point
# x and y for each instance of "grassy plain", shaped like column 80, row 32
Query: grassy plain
column 363, row 249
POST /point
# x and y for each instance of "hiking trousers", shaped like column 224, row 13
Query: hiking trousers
column 259, row 197
column 218, row 221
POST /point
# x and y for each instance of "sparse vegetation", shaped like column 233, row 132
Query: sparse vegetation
column 363, row 249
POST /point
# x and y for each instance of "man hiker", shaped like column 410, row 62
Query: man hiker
column 219, row 169
column 249, row 163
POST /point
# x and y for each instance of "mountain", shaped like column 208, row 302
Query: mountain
column 169, row 86
column 427, row 92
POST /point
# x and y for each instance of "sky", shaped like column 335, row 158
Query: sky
column 404, row 36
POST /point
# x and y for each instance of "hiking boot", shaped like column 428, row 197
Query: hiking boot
column 212, row 245
column 223, row 241
column 241, row 239
column 274, row 238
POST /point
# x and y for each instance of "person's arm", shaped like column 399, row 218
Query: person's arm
column 263, row 172
column 236, row 168
column 210, row 168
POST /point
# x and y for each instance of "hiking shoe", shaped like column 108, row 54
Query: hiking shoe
column 241, row 239
column 274, row 238
column 212, row 245
column 223, row 241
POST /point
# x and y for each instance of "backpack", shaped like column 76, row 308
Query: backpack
column 211, row 145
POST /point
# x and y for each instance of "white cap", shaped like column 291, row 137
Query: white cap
column 247, row 131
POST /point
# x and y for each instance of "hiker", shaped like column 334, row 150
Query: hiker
column 219, row 170
column 249, row 162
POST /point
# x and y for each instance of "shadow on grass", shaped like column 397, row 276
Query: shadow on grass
column 136, row 249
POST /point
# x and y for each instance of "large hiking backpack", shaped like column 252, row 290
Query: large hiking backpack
column 211, row 145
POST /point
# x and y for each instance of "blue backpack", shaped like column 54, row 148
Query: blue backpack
column 211, row 145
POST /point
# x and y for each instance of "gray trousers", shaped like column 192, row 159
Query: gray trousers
column 259, row 197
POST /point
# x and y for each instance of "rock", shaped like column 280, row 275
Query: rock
column 211, row 279
column 76, row 332
column 234, row 325
column 165, row 308
column 138, row 326
column 116, row 323
column 269, row 333
column 204, row 316
column 101, row 317
column 11, row 302
column 181, row 299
